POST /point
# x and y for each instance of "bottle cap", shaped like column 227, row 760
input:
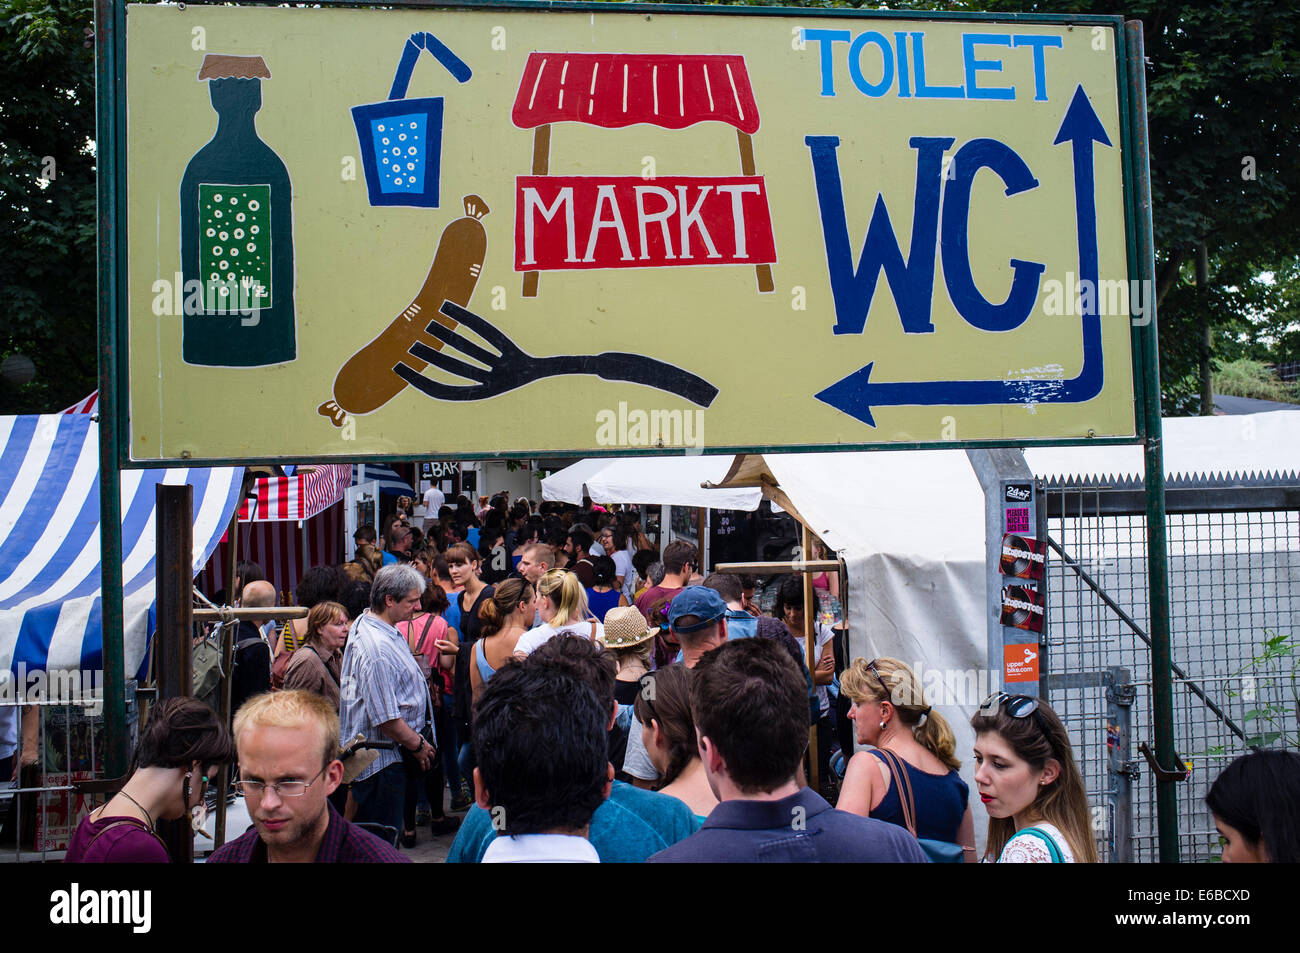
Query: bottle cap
column 221, row 66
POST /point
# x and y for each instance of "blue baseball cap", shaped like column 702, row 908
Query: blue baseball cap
column 698, row 601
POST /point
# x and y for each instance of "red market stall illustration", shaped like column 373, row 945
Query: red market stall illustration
column 616, row 90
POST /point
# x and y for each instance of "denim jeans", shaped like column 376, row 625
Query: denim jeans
column 380, row 797
column 444, row 725
column 465, row 755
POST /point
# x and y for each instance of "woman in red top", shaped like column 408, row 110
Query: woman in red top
column 182, row 745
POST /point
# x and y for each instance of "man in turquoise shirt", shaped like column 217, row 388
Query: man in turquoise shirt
column 631, row 824
column 627, row 828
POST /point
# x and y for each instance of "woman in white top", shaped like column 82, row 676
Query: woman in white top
column 1030, row 785
column 562, row 605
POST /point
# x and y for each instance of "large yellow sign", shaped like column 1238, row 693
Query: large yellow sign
column 383, row 232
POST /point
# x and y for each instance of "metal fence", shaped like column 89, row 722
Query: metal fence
column 1234, row 578
column 41, row 806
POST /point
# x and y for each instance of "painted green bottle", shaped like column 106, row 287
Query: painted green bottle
column 237, row 232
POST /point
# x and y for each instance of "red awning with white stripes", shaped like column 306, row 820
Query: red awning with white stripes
column 614, row 90
column 297, row 497
column 87, row 405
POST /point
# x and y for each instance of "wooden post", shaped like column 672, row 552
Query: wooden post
column 541, row 166
column 172, row 640
column 222, row 779
column 810, row 647
column 761, row 272
column 701, row 542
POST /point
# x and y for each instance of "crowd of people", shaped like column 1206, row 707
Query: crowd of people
column 547, row 686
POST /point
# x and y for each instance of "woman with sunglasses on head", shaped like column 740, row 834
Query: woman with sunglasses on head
column 1028, row 781
column 180, row 747
column 889, row 712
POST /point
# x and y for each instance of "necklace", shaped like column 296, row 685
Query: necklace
column 147, row 815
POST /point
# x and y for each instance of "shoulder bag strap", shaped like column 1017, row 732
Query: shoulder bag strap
column 903, row 787
column 424, row 637
column 1047, row 838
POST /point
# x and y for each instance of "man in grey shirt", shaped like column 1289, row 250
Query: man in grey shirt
column 384, row 695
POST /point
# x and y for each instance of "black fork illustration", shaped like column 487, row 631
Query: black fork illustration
column 512, row 368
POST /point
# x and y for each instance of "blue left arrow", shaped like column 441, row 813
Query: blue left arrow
column 855, row 395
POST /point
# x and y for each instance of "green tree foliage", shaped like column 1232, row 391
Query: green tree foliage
column 47, row 200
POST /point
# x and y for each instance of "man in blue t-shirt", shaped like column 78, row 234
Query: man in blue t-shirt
column 627, row 827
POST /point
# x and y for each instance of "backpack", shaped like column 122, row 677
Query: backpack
column 206, row 668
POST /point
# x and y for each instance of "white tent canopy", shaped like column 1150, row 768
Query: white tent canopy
column 665, row 480
column 1254, row 444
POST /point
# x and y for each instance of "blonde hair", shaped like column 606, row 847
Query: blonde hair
column 292, row 709
column 899, row 685
column 566, row 593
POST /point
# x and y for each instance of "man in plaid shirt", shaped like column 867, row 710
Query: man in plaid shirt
column 288, row 744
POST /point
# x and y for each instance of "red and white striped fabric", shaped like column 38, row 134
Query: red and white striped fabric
column 297, row 497
column 279, row 549
column 87, row 405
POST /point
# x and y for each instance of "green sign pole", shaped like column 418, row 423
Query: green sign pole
column 109, row 64
column 1162, row 692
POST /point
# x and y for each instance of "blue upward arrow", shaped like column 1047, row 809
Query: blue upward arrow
column 856, row 394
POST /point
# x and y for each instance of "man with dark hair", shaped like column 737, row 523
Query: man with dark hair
column 355, row 598
column 680, row 560
column 743, row 625
column 397, row 540
column 631, row 824
column 749, row 705
column 246, row 572
column 578, row 545
column 365, row 534
column 543, row 765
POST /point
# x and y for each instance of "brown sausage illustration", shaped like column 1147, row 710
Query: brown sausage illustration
column 366, row 381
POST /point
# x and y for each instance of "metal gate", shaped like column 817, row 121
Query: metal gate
column 1234, row 576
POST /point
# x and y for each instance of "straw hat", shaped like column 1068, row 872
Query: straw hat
column 625, row 628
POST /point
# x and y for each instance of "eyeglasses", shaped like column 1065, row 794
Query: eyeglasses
column 281, row 788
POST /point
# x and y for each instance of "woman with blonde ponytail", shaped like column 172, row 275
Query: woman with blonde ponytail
column 890, row 713
column 505, row 617
column 562, row 606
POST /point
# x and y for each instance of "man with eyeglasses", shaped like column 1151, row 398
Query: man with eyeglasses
column 288, row 746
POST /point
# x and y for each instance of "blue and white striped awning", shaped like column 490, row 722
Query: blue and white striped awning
column 390, row 483
column 51, row 613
